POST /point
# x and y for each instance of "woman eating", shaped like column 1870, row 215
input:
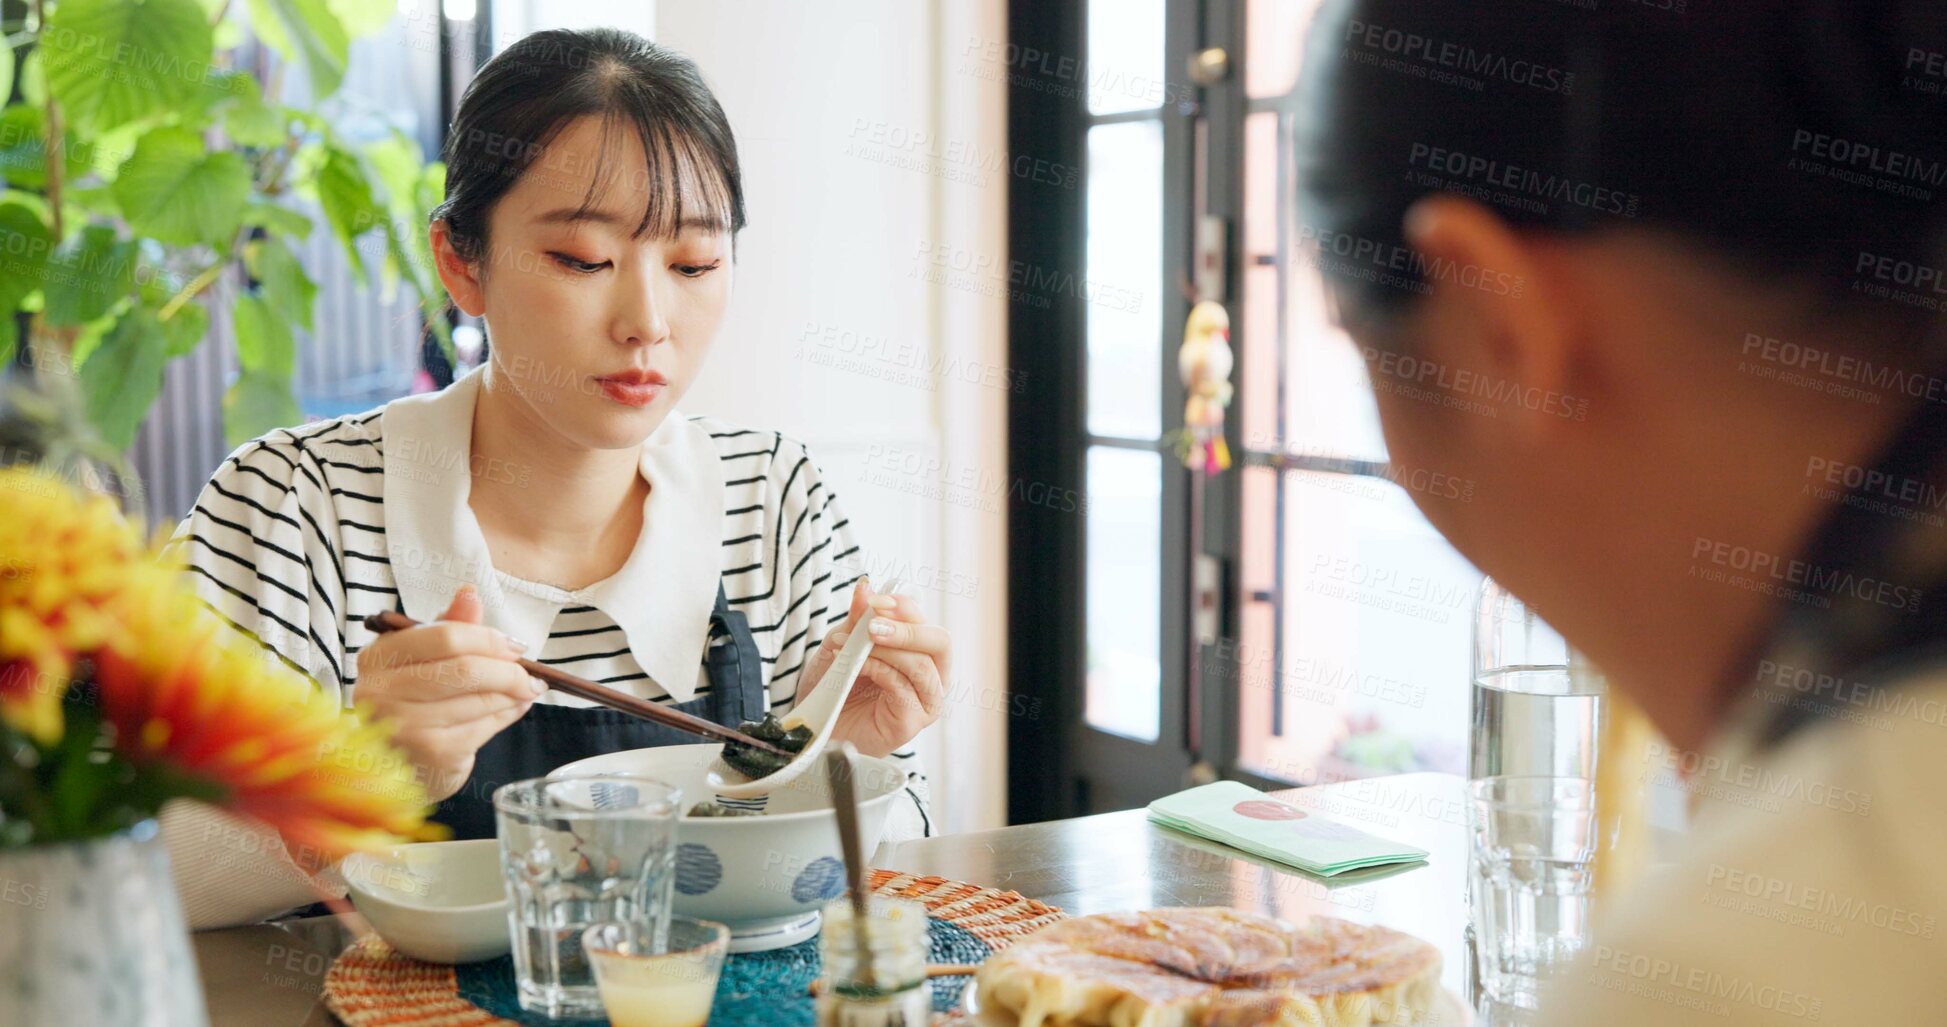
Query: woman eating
column 553, row 504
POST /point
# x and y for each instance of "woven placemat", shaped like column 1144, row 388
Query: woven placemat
column 369, row 984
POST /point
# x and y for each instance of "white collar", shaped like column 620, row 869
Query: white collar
column 662, row 596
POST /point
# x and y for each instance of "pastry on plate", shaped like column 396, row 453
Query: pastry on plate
column 1211, row 968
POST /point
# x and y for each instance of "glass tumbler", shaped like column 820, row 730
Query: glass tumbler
column 577, row 851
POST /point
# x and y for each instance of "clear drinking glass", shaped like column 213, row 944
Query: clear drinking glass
column 578, row 851
column 1534, row 841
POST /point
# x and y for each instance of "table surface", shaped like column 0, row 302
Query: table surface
column 272, row 975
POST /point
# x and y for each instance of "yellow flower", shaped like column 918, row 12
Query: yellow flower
column 186, row 694
column 62, row 557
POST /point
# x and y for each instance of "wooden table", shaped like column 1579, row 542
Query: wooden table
column 271, row 976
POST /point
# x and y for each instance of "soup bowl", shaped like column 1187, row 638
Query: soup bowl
column 766, row 876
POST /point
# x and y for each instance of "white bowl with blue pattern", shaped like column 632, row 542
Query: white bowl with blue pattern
column 765, row 876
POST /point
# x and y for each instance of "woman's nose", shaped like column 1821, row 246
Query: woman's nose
column 641, row 315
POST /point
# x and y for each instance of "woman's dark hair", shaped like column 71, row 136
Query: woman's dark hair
column 1803, row 140
column 522, row 98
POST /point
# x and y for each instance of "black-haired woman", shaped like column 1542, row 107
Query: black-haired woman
column 553, row 503
column 1667, row 281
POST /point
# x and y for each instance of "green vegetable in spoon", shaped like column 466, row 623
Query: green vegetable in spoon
column 755, row 763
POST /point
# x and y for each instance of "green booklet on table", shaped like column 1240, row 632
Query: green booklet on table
column 1235, row 814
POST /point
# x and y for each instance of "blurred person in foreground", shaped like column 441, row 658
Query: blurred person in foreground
column 1666, row 282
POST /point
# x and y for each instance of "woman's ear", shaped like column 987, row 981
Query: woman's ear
column 1487, row 302
column 461, row 278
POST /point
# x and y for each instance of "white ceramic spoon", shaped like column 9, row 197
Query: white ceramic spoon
column 818, row 711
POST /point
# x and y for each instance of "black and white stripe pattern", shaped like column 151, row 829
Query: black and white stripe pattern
column 288, row 542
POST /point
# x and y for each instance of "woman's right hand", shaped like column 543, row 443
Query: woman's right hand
column 447, row 687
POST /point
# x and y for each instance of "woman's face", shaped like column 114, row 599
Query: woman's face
column 597, row 333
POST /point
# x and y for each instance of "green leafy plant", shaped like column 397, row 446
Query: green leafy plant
column 140, row 167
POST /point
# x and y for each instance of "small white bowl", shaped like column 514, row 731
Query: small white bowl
column 443, row 902
column 766, row 876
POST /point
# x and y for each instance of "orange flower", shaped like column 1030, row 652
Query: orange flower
column 187, row 695
column 184, row 689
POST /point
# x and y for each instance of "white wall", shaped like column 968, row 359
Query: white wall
column 837, row 336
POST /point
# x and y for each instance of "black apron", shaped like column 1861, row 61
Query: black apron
column 549, row 736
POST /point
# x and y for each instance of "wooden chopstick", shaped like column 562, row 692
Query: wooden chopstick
column 562, row 681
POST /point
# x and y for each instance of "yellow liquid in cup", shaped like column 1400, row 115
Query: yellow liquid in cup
column 673, row 991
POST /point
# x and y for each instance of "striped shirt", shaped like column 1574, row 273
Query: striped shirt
column 289, row 542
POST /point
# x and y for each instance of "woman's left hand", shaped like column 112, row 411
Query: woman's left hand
column 901, row 688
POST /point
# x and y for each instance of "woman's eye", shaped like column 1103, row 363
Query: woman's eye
column 574, row 264
column 697, row 270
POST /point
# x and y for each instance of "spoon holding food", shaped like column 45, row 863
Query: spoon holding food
column 743, row 773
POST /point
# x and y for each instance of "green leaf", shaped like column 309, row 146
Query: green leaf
column 277, row 219
column 281, row 281
column 362, row 18
column 33, row 79
column 307, row 31
column 257, row 403
column 9, row 338
column 252, row 122
column 185, row 328
column 345, row 193
column 89, row 273
column 91, row 334
column 175, row 191
column 122, row 377
column 26, row 243
column 264, row 340
column 23, row 148
column 110, row 62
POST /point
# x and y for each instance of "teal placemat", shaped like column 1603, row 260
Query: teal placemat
column 758, row 989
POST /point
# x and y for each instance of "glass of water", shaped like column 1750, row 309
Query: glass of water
column 1534, row 841
column 576, row 851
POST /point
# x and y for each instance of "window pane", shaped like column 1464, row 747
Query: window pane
column 1125, row 55
column 1125, row 260
column 1376, row 633
column 1274, row 39
column 1329, row 409
column 1327, row 405
column 1124, row 690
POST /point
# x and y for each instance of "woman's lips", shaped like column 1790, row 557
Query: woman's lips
column 634, row 389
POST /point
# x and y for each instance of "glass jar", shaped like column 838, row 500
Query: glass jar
column 884, row 983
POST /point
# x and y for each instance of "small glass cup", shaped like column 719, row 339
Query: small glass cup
column 1534, row 841
column 672, row 985
column 577, row 851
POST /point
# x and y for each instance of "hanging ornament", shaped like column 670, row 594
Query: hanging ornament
column 1205, row 364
